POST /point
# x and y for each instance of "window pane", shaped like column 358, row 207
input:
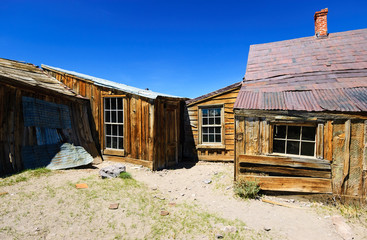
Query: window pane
column 107, row 103
column 205, row 121
column 211, row 138
column 217, row 129
column 205, row 112
column 211, row 112
column 119, row 103
column 279, row 131
column 205, row 129
column 294, row 132
column 107, row 116
column 217, row 120
column 211, row 120
column 121, row 130
column 218, row 138
column 293, row 147
column 308, row 149
column 114, row 142
column 308, row 133
column 108, row 129
column 217, row 111
column 120, row 116
column 113, row 103
column 113, row 115
column 121, row 143
column 279, row 146
column 205, row 138
column 114, row 130
column 108, row 142
column 211, row 130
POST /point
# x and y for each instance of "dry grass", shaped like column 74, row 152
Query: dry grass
column 47, row 205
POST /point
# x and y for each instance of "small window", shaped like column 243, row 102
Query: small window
column 211, row 125
column 294, row 140
column 114, row 122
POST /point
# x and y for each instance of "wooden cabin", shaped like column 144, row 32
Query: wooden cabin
column 301, row 115
column 134, row 125
column 209, row 125
column 39, row 119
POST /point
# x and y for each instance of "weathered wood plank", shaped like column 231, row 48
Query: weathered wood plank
column 282, row 170
column 217, row 157
column 148, row 164
column 285, row 161
column 291, row 184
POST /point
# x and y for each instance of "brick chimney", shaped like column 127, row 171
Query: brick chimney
column 321, row 23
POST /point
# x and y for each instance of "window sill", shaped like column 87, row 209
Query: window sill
column 116, row 152
column 210, row 146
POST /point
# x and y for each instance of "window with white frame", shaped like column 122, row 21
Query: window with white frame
column 294, row 140
column 114, row 122
column 211, row 125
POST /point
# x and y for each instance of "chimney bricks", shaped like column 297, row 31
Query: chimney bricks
column 321, row 23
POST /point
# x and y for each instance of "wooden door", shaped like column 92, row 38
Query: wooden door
column 171, row 131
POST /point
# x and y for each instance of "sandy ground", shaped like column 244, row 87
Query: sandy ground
column 301, row 220
column 43, row 208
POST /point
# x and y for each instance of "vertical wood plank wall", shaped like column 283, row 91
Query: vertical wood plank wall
column 343, row 143
column 145, row 124
column 192, row 125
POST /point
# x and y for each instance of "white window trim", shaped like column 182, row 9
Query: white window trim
column 108, row 150
column 213, row 145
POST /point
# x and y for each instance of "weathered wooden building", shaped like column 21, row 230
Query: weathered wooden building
column 209, row 125
column 41, row 120
column 134, row 125
column 301, row 114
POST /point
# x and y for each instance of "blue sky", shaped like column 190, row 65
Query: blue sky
column 184, row 48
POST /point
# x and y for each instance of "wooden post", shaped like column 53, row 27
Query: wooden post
column 346, row 154
column 239, row 143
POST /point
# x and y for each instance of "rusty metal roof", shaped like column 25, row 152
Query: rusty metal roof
column 308, row 74
column 31, row 75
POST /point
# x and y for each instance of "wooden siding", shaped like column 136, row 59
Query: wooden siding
column 151, row 126
column 193, row 147
column 339, row 166
column 14, row 135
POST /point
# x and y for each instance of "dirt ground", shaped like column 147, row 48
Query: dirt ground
column 303, row 219
column 50, row 207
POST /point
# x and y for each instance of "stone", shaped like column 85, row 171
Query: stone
column 114, row 206
column 229, row 229
column 208, row 181
column 219, row 236
column 267, row 229
column 112, row 171
column 164, row 213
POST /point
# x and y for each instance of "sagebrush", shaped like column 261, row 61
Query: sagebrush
column 246, row 189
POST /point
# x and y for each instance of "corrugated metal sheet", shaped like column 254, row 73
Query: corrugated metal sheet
column 348, row 100
column 45, row 114
column 109, row 84
column 55, row 156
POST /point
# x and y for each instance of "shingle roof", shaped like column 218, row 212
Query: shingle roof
column 114, row 85
column 28, row 74
column 216, row 92
column 308, row 74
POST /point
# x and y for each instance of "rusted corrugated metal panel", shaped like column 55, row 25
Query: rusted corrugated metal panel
column 335, row 100
column 344, row 100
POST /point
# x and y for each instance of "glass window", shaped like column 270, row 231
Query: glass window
column 114, row 123
column 211, row 125
column 294, row 140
